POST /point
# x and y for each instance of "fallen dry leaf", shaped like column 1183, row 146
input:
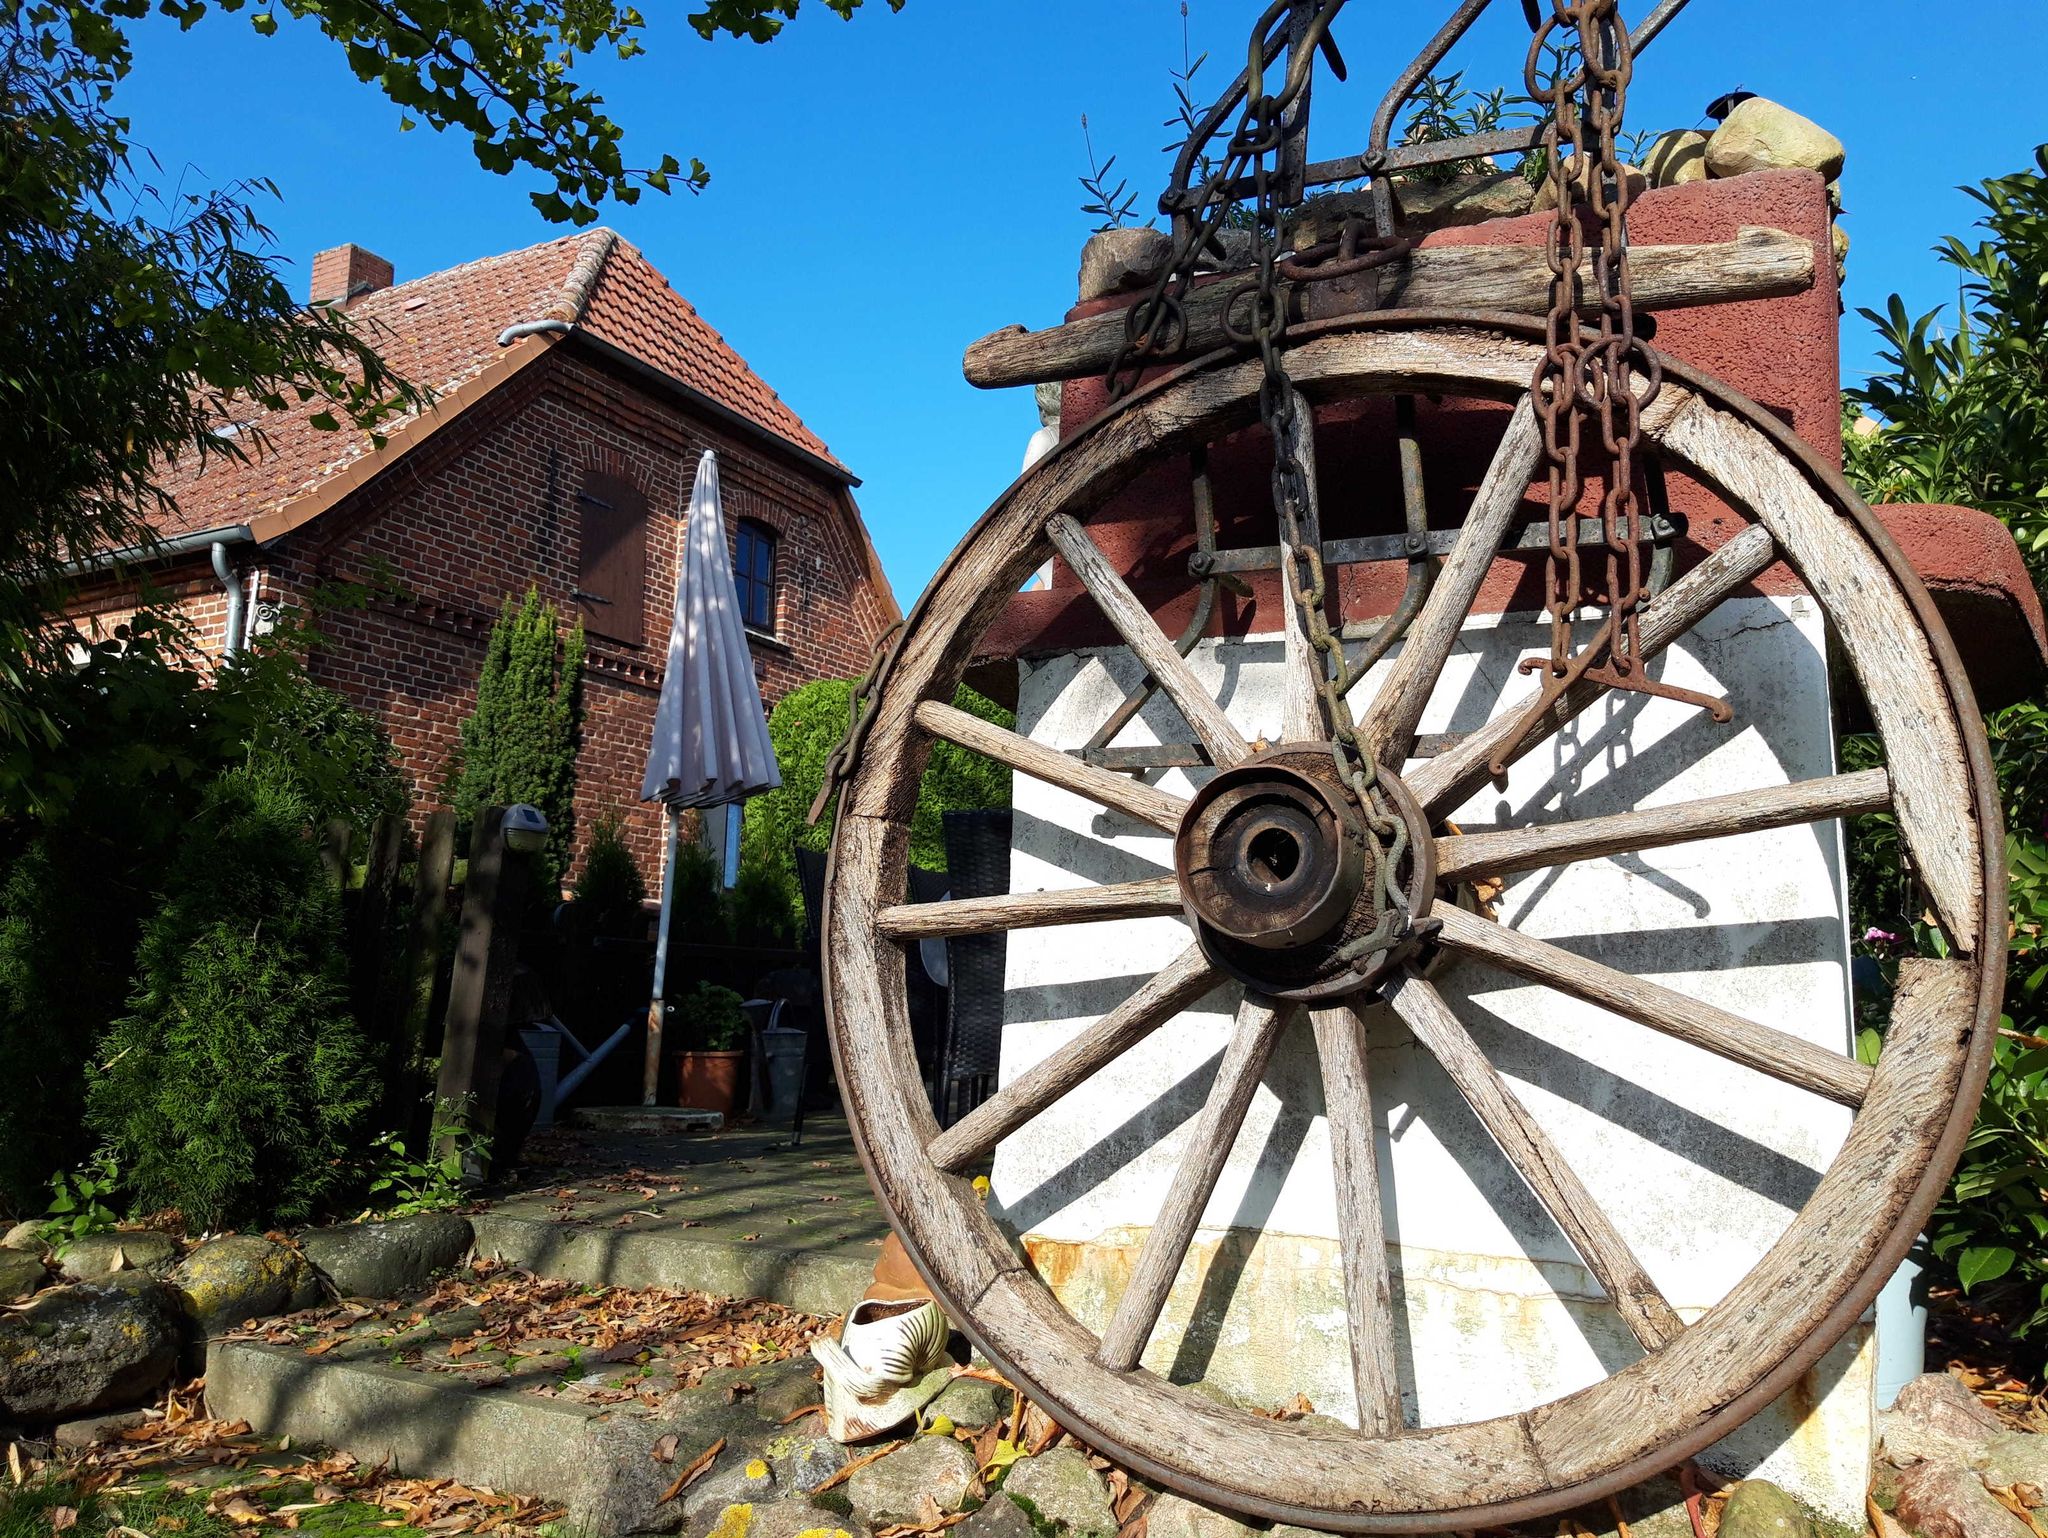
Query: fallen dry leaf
column 665, row 1449
column 63, row 1518
column 695, row 1471
column 242, row 1511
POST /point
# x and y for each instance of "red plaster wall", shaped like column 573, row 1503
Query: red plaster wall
column 1782, row 352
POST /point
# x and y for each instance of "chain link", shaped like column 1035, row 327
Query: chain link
column 1600, row 374
column 1257, row 314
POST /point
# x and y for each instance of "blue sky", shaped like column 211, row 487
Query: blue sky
column 886, row 190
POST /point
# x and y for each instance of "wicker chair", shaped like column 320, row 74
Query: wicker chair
column 978, row 865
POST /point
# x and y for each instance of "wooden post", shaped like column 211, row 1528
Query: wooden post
column 334, row 842
column 473, row 1040
column 372, row 918
column 411, row 993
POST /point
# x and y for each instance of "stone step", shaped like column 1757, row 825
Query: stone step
column 818, row 1281
column 609, row 1464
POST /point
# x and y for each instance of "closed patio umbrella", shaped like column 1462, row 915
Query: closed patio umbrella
column 711, row 745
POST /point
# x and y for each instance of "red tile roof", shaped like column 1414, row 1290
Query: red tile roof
column 442, row 331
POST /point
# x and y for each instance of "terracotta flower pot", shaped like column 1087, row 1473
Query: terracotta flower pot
column 709, row 1081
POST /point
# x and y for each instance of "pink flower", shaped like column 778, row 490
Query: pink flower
column 1875, row 936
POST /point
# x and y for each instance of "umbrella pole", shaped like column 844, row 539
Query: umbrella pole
column 656, row 1007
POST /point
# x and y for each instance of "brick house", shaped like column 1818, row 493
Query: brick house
column 575, row 391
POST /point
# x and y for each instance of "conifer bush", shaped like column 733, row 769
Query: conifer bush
column 519, row 743
column 238, row 1088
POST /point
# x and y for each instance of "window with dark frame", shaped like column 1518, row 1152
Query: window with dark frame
column 753, row 574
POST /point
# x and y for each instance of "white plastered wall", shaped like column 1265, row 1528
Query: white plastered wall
column 1699, row 1162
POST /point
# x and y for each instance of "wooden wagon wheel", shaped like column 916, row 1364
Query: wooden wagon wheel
column 1694, row 1382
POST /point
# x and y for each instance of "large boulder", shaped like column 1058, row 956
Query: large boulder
column 1759, row 1509
column 1114, row 261
column 781, row 1519
column 21, row 1274
column 1171, row 1516
column 1676, row 158
column 1463, row 200
column 2015, row 1458
column 1935, row 1418
column 388, row 1259
column 974, row 1402
column 1637, row 180
column 1062, row 1491
column 1761, row 135
column 893, row 1489
column 25, row 1235
column 96, row 1255
column 74, row 1350
column 1942, row 1500
column 239, row 1277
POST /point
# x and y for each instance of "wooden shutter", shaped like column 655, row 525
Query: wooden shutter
column 611, row 560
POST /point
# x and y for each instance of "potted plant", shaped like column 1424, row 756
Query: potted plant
column 712, row 1024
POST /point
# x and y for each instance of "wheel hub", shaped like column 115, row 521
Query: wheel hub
column 1273, row 873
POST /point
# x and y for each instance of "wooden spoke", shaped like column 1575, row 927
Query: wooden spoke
column 1388, row 730
column 1259, row 1024
column 1031, row 910
column 1589, row 838
column 1120, row 792
column 1302, row 695
column 1446, row 780
column 975, row 1135
column 1361, row 1233
column 1155, row 653
column 1536, row 1159
column 1764, row 1048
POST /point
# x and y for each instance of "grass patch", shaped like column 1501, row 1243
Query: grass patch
column 38, row 1510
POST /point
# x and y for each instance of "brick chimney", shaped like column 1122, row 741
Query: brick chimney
column 346, row 272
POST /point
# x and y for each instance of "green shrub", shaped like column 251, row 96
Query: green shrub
column 519, row 742
column 91, row 820
column 237, row 1087
column 1959, row 413
column 805, row 727
column 611, row 889
column 709, row 1018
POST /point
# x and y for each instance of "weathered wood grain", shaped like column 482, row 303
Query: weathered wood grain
column 1386, row 730
column 1119, row 792
column 1259, row 1024
column 1223, row 742
column 1536, row 1159
column 1501, row 853
column 1880, row 636
column 1506, row 1470
column 1444, row 781
column 1764, row 1048
column 1361, row 1229
column 1786, row 1295
column 1031, row 910
column 1757, row 264
column 974, row 1136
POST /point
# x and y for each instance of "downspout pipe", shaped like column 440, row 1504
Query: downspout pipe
column 231, row 640
column 527, row 328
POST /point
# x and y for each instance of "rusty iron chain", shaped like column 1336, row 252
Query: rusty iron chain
column 1601, row 375
column 1258, row 314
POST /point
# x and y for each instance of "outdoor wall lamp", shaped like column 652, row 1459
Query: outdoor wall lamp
column 525, row 828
